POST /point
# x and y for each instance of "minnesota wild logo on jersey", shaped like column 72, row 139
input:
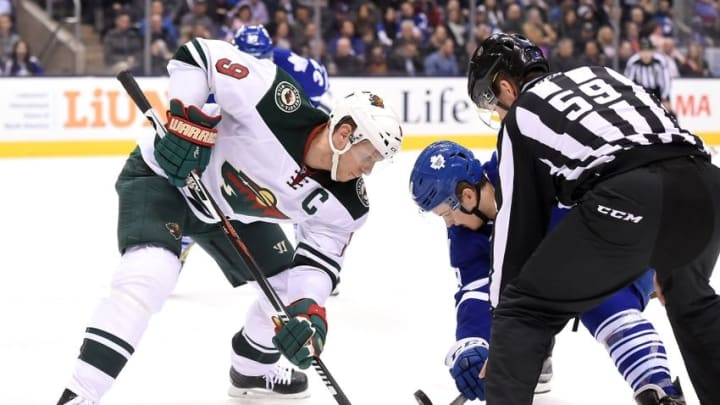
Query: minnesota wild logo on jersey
column 246, row 197
column 287, row 97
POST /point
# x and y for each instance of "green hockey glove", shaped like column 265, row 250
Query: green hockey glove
column 303, row 336
column 188, row 142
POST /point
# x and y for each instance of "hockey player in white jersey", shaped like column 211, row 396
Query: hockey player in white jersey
column 269, row 157
column 310, row 74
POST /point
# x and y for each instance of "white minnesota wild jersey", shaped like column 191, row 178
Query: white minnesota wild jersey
column 256, row 170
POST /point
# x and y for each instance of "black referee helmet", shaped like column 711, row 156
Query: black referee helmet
column 510, row 53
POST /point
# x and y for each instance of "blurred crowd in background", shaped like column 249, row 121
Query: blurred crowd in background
column 396, row 38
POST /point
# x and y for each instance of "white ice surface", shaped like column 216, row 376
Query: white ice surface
column 389, row 328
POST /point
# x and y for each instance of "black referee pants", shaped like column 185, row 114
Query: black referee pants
column 665, row 215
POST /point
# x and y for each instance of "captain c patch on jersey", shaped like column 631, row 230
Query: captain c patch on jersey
column 287, row 97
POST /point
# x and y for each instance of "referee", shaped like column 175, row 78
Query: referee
column 642, row 193
column 650, row 70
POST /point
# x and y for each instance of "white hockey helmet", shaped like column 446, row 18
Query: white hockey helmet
column 375, row 122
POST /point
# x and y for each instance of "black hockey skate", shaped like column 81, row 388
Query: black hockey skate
column 280, row 382
column 652, row 394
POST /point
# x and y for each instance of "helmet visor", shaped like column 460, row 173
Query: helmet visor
column 483, row 96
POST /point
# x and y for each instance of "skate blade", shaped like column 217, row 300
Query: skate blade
column 542, row 387
column 262, row 393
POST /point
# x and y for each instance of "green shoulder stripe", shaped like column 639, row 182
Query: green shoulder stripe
column 200, row 51
column 183, row 54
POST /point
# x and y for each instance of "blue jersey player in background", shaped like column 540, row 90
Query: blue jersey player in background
column 448, row 181
column 310, row 74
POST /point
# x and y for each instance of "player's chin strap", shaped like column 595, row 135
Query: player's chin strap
column 336, row 153
column 476, row 211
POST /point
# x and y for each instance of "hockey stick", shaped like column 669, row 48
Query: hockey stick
column 210, row 206
column 423, row 399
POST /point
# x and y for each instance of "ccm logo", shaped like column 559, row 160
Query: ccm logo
column 625, row 216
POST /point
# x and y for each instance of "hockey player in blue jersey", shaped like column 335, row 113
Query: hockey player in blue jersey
column 448, row 181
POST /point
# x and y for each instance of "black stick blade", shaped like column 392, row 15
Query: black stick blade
column 422, row 398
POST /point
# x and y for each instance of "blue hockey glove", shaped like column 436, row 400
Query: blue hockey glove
column 303, row 336
column 466, row 359
column 188, row 142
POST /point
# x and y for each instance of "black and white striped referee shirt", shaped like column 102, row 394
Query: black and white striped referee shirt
column 653, row 76
column 564, row 133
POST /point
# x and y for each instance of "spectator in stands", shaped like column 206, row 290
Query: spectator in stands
column 281, row 35
column 606, row 41
column 365, row 19
column 302, row 16
column 673, row 56
column 122, row 45
column 8, row 36
column 201, row 30
column 570, row 27
column 346, row 62
column 303, row 46
column 417, row 17
column 456, row 24
column 160, row 55
column 695, row 64
column 436, row 41
column 564, row 57
column 318, row 51
column 431, row 10
column 166, row 28
column 22, row 62
column 592, row 55
column 160, row 31
column 632, row 35
column 637, row 16
column 376, row 61
column 538, row 31
column 332, row 23
column 481, row 33
column 408, row 35
column 258, row 10
column 496, row 16
column 288, row 7
column 587, row 12
column 387, row 29
column 513, row 20
column 222, row 11
column 243, row 16
column 587, row 34
column 405, row 60
column 482, row 17
column 198, row 15
column 347, row 31
column 442, row 62
column 625, row 52
column 664, row 18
